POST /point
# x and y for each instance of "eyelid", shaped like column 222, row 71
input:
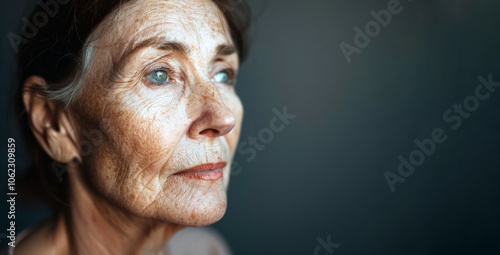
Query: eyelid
column 230, row 71
column 160, row 63
column 223, row 66
column 162, row 68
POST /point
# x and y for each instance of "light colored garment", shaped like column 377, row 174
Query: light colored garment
column 189, row 241
column 197, row 241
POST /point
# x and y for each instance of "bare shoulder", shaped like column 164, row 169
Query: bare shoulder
column 38, row 238
column 204, row 240
column 27, row 240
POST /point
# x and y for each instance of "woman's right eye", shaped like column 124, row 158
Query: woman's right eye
column 158, row 77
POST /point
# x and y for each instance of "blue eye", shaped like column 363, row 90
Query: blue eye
column 222, row 77
column 158, row 77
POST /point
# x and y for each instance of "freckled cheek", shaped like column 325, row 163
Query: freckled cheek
column 147, row 135
column 158, row 135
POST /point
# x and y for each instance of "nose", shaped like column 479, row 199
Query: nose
column 214, row 118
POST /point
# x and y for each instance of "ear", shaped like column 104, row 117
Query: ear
column 51, row 127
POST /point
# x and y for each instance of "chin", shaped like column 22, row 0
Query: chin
column 198, row 212
column 205, row 218
column 186, row 205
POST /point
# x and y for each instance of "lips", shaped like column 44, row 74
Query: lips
column 207, row 172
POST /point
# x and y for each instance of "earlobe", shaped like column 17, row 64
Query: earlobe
column 50, row 125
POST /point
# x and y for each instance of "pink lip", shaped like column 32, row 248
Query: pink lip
column 207, row 172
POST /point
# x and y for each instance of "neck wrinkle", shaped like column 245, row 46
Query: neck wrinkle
column 95, row 226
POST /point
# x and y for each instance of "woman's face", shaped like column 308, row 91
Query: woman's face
column 161, row 93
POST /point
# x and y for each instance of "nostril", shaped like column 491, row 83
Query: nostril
column 213, row 119
column 210, row 132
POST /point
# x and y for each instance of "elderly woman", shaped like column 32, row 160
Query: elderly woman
column 133, row 105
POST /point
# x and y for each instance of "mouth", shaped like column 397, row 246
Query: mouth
column 206, row 172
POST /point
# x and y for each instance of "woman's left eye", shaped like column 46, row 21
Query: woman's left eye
column 158, row 77
column 222, row 77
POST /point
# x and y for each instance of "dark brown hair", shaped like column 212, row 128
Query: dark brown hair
column 51, row 47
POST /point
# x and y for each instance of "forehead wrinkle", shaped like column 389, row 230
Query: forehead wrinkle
column 160, row 43
column 168, row 20
column 171, row 13
column 178, row 12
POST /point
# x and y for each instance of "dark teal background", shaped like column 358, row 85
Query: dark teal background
column 323, row 174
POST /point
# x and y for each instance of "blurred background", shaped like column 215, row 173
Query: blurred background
column 322, row 178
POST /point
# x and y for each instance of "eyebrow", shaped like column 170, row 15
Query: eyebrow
column 162, row 44
column 226, row 49
column 156, row 42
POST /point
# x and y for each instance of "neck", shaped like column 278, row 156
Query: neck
column 91, row 225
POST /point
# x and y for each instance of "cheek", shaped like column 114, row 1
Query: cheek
column 144, row 138
column 140, row 133
column 146, row 128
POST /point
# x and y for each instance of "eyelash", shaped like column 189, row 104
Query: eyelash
column 165, row 68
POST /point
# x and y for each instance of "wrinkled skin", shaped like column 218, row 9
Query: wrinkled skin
column 152, row 132
column 127, row 184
